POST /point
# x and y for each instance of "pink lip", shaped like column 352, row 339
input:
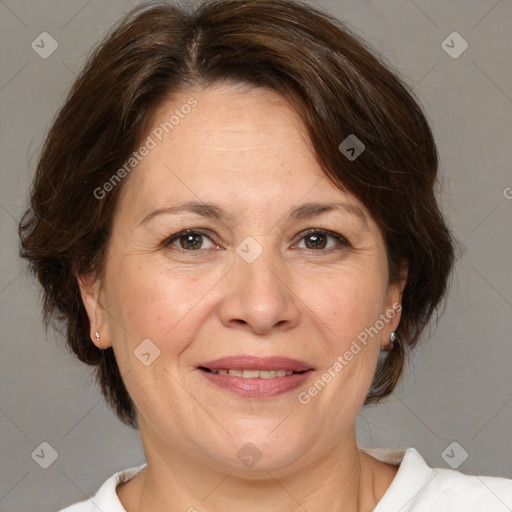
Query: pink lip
column 248, row 362
column 257, row 388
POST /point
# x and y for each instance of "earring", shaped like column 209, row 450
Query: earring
column 392, row 338
column 97, row 337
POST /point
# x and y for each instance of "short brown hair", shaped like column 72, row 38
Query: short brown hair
column 332, row 79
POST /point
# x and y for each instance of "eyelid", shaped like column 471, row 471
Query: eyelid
column 199, row 231
column 303, row 234
column 319, row 231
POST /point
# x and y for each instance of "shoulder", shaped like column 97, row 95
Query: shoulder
column 106, row 498
column 419, row 487
column 476, row 492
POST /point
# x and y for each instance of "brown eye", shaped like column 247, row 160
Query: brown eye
column 191, row 241
column 317, row 240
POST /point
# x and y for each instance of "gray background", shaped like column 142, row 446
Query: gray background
column 459, row 387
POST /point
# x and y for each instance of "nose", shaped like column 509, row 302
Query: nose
column 260, row 296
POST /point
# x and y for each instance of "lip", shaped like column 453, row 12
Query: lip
column 248, row 362
column 257, row 388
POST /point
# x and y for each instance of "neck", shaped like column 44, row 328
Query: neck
column 342, row 479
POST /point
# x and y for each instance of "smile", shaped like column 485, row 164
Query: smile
column 251, row 374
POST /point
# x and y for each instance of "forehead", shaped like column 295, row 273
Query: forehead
column 233, row 128
column 235, row 145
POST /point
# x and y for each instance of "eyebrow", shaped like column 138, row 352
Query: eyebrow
column 303, row 211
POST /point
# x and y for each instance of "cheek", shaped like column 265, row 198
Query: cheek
column 166, row 307
column 351, row 303
column 153, row 302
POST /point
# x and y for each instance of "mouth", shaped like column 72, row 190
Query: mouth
column 251, row 374
column 256, row 377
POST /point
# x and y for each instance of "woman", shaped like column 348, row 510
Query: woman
column 234, row 216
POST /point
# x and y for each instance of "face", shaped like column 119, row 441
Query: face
column 258, row 275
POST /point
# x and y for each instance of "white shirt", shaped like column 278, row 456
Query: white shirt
column 416, row 488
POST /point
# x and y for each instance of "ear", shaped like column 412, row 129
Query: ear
column 393, row 303
column 402, row 279
column 90, row 290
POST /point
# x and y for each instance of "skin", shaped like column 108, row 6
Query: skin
column 245, row 150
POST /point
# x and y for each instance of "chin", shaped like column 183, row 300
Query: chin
column 252, row 455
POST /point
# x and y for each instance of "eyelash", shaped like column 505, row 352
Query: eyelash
column 341, row 239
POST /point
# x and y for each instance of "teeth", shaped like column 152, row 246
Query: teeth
column 255, row 374
column 251, row 374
